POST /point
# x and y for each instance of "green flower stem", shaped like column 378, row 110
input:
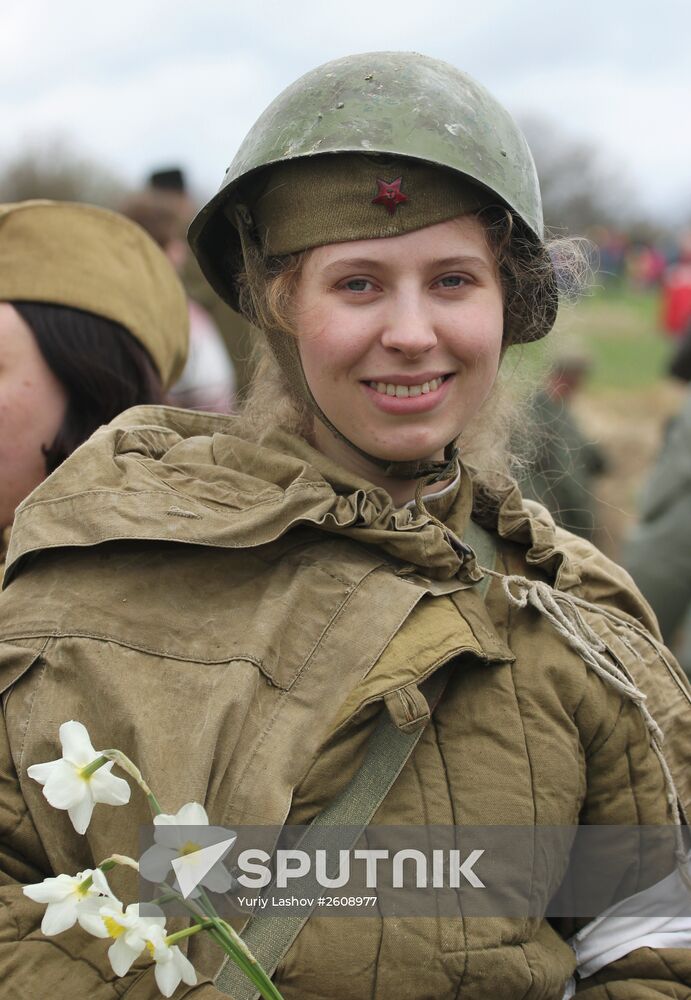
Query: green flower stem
column 129, row 767
column 154, row 805
column 235, row 947
column 254, row 972
column 168, row 897
column 107, row 865
column 189, row 931
column 91, row 768
column 118, row 859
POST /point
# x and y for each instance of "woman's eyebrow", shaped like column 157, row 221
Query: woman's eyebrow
column 356, row 263
column 365, row 263
column 462, row 261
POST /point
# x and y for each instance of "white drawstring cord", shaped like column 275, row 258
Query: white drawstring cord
column 562, row 612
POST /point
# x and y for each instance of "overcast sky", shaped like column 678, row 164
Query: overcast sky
column 145, row 83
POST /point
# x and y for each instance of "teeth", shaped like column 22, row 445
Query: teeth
column 404, row 391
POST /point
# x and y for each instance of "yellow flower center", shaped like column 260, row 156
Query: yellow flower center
column 150, row 948
column 113, row 927
column 190, row 848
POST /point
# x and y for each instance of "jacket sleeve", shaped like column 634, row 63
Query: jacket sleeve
column 645, row 974
column 626, row 786
column 69, row 965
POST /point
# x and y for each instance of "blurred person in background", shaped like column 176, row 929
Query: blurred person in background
column 207, row 381
column 676, row 290
column 680, row 365
column 658, row 552
column 234, row 328
column 93, row 321
column 564, row 463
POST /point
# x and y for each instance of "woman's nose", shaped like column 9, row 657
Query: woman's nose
column 409, row 327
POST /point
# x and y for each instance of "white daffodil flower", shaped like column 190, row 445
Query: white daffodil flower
column 172, row 841
column 71, row 900
column 68, row 785
column 130, row 932
column 172, row 966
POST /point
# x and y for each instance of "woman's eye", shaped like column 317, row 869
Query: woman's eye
column 451, row 281
column 358, row 285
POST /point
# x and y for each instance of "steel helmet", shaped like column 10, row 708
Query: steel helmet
column 397, row 103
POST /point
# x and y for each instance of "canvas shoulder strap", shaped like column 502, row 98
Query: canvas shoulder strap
column 340, row 825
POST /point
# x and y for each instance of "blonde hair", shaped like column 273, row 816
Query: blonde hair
column 495, row 440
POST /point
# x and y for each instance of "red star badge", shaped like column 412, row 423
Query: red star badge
column 390, row 195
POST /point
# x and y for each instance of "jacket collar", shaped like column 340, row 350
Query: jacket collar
column 162, row 474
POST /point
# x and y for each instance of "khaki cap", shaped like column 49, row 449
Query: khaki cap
column 332, row 199
column 89, row 258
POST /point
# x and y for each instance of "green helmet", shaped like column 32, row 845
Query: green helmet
column 398, row 104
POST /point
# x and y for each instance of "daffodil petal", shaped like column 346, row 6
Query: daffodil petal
column 110, row 789
column 76, row 745
column 155, row 863
column 51, row 890
column 90, row 918
column 121, row 956
column 171, row 837
column 192, row 814
column 185, row 967
column 41, row 772
column 218, row 879
column 80, row 814
column 167, row 977
column 146, row 915
column 64, row 788
column 100, row 884
column 59, row 917
column 165, row 819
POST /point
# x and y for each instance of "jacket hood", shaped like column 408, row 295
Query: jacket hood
column 160, row 473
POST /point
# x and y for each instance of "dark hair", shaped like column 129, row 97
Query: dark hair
column 170, row 179
column 101, row 366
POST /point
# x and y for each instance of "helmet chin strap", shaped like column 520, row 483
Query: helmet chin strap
column 284, row 347
column 286, row 352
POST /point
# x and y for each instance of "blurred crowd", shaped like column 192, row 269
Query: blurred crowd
column 663, row 264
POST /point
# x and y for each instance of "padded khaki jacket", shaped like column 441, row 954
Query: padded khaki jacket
column 236, row 616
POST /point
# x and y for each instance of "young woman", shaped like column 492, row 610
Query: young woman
column 242, row 604
column 92, row 322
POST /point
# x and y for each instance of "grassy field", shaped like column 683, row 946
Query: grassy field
column 620, row 330
column 628, row 398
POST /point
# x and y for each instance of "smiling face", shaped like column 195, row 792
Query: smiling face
column 32, row 407
column 400, row 340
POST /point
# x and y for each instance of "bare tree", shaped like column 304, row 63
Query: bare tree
column 580, row 189
column 53, row 169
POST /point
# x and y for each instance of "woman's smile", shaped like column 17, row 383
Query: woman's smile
column 403, row 394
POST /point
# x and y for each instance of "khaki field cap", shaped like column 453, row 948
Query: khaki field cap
column 92, row 259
